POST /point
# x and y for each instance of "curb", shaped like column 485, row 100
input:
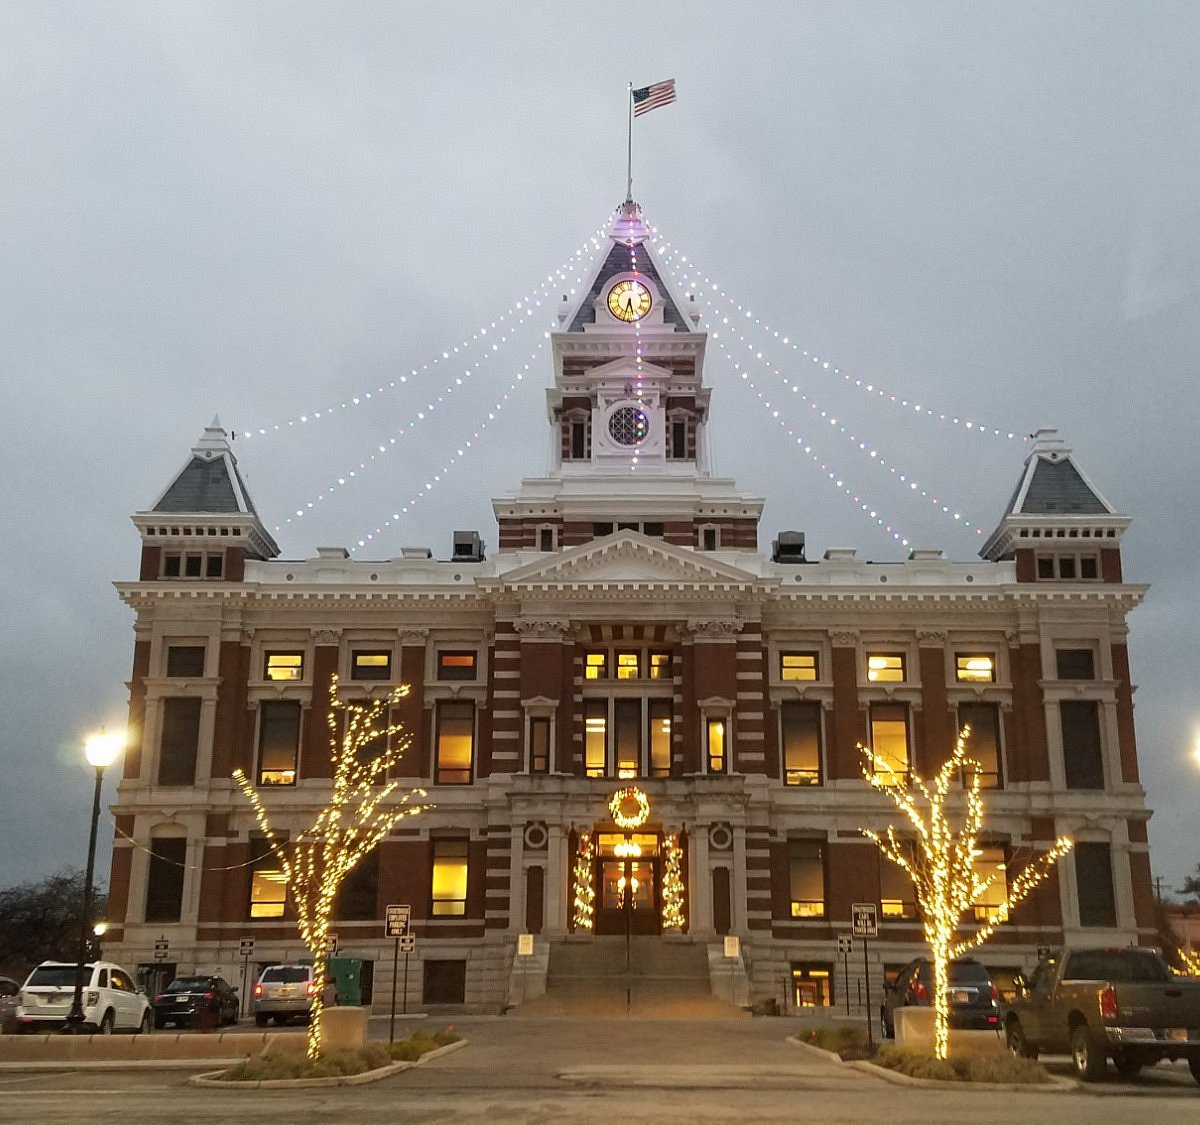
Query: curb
column 1054, row 1086
column 90, row 1066
column 828, row 1056
column 211, row 1079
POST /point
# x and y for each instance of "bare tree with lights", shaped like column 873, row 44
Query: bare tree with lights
column 939, row 858
column 363, row 807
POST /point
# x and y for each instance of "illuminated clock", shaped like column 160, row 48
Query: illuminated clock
column 629, row 300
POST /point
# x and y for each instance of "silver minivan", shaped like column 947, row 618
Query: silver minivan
column 283, row 992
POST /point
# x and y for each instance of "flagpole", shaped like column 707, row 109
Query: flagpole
column 629, row 150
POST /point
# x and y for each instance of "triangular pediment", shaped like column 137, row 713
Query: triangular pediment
column 629, row 558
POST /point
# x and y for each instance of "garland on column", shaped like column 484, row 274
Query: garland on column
column 585, row 891
column 673, row 914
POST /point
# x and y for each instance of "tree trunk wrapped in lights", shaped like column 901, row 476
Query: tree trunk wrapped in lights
column 674, row 916
column 583, row 914
column 1189, row 962
column 363, row 807
column 940, row 861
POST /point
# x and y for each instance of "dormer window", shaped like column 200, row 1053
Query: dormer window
column 708, row 538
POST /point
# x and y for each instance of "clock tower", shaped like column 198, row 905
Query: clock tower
column 628, row 417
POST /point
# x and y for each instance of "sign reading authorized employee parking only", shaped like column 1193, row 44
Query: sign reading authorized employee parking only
column 864, row 920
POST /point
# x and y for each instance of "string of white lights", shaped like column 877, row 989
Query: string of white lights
column 803, row 444
column 517, row 311
column 459, row 453
column 860, row 446
column 345, row 478
column 695, row 280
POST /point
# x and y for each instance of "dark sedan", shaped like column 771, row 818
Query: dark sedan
column 196, row 1001
column 974, row 1000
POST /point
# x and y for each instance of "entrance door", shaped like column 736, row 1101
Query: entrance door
column 627, row 884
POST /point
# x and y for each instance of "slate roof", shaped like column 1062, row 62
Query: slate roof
column 209, row 483
column 618, row 261
column 1052, row 485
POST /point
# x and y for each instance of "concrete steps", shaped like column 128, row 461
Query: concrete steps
column 599, row 976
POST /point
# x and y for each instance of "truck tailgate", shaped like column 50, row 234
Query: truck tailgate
column 1169, row 1004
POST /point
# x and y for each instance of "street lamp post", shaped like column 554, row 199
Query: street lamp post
column 101, row 750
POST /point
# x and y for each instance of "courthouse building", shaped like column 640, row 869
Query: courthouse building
column 626, row 630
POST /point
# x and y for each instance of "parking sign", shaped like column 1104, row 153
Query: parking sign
column 845, row 943
column 396, row 919
column 864, row 920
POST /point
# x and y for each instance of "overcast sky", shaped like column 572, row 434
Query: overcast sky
column 261, row 210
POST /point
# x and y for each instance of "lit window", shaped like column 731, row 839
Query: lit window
column 660, row 738
column 660, row 666
column 595, row 738
column 812, row 986
column 284, row 666
column 806, row 878
column 889, row 739
column 268, row 884
column 449, row 881
column 797, row 665
column 455, row 743
column 715, row 742
column 456, row 666
column 595, row 666
column 974, row 668
column 629, row 665
column 897, row 895
column 371, row 666
column 885, row 667
column 990, row 867
column 800, row 728
column 278, row 742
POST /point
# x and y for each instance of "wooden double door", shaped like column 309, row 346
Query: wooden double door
column 628, row 883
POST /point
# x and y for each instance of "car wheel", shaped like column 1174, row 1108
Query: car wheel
column 260, row 1020
column 144, row 1027
column 159, row 1023
column 1128, row 1065
column 885, row 1029
column 107, row 1023
column 1194, row 1066
column 1087, row 1055
column 1018, row 1045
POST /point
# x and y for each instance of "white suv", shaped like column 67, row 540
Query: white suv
column 111, row 999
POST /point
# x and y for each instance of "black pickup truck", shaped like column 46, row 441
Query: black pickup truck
column 1123, row 1004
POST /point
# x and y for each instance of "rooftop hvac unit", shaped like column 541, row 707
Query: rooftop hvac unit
column 468, row 547
column 788, row 547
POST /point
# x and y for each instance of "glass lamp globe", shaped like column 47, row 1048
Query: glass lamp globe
column 102, row 749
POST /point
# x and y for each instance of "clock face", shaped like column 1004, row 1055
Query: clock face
column 629, row 300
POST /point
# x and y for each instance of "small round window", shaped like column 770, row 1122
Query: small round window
column 628, row 425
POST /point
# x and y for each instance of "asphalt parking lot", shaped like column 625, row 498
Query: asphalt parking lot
column 577, row 1070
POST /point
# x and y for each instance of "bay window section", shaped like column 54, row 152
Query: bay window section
column 164, row 879
column 897, row 895
column 983, row 745
column 595, row 738
column 539, row 744
column 1094, row 884
column 800, row 739
column 806, row 878
column 1083, row 755
column 890, row 741
column 991, row 866
column 268, row 884
column 448, row 884
column 660, row 738
column 455, row 752
column 628, row 737
column 278, row 742
column 716, row 745
column 180, row 740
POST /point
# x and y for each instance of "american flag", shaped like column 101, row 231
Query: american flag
column 651, row 97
